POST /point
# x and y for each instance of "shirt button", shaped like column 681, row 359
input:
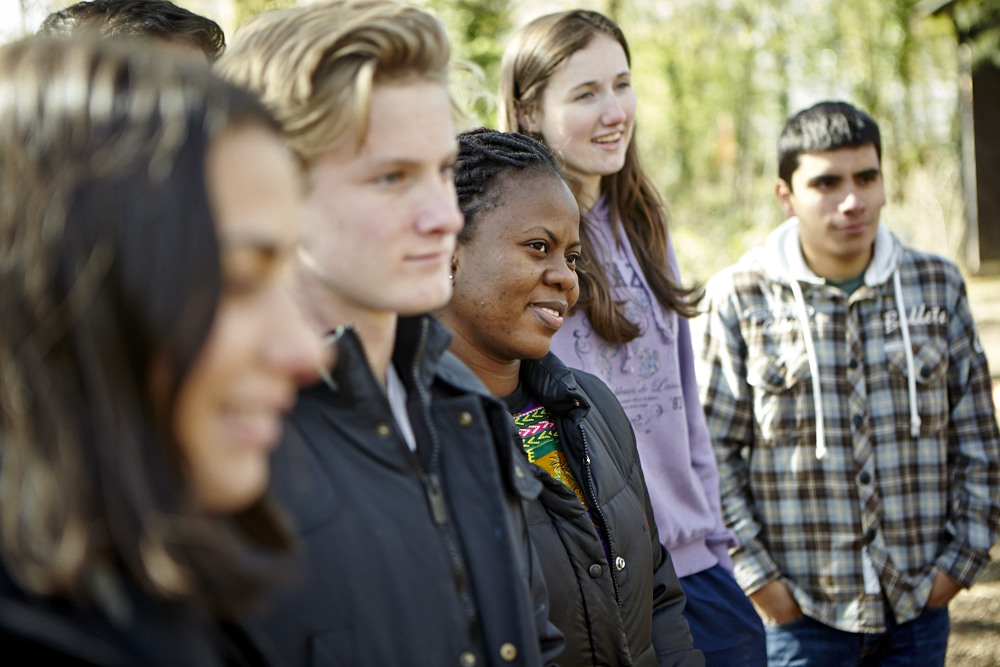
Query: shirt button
column 464, row 419
column 852, row 364
column 595, row 570
column 620, row 563
column 865, row 477
column 508, row 652
column 383, row 430
column 467, row 659
column 925, row 372
column 870, row 534
column 858, row 421
column 518, row 473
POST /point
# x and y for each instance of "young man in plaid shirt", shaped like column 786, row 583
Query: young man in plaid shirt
column 849, row 399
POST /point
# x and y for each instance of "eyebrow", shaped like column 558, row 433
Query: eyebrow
column 552, row 237
column 593, row 82
column 406, row 162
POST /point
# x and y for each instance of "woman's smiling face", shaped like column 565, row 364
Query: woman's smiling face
column 516, row 278
column 587, row 112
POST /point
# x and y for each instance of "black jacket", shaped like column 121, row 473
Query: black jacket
column 628, row 613
column 54, row 632
column 408, row 558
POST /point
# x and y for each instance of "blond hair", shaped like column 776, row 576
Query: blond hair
column 314, row 66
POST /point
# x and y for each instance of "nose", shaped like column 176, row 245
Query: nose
column 852, row 202
column 561, row 276
column 613, row 113
column 439, row 212
column 291, row 347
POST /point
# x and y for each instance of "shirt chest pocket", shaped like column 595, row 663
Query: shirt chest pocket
column 930, row 367
column 782, row 398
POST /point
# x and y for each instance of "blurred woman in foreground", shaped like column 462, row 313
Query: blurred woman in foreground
column 149, row 348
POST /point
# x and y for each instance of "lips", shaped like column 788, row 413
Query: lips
column 550, row 313
column 257, row 423
column 852, row 228
column 609, row 138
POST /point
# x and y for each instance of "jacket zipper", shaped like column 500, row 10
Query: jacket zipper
column 596, row 508
column 432, row 482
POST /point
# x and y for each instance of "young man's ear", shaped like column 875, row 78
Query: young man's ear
column 783, row 191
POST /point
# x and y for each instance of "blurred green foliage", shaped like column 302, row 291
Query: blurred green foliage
column 716, row 80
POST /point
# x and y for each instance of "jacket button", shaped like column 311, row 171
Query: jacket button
column 383, row 430
column 464, row 418
column 467, row 659
column 620, row 563
column 508, row 652
column 595, row 570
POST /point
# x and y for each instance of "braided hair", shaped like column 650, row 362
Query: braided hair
column 484, row 155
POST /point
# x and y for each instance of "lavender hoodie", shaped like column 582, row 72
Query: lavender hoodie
column 653, row 377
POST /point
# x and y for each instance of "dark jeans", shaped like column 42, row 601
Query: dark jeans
column 724, row 624
column 805, row 642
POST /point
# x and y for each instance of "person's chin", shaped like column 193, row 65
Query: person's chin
column 432, row 297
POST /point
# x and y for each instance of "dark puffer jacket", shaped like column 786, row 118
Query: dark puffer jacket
column 409, row 558
column 627, row 612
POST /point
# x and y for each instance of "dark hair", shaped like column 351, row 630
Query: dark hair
column 111, row 275
column 138, row 18
column 826, row 126
column 486, row 155
column 529, row 61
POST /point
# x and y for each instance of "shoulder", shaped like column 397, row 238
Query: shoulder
column 748, row 273
column 454, row 372
column 936, row 276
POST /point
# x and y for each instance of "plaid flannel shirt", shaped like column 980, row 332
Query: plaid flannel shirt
column 880, row 499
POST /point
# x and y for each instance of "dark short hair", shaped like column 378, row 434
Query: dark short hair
column 826, row 126
column 138, row 18
column 485, row 157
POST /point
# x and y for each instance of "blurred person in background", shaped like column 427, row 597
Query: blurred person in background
column 849, row 396
column 160, row 21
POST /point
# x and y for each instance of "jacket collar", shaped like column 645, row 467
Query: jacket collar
column 420, row 343
column 553, row 384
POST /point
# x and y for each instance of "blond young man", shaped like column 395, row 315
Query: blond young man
column 399, row 469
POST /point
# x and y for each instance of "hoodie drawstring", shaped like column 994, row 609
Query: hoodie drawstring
column 800, row 304
column 911, row 374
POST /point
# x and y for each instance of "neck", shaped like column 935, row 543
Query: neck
column 501, row 377
column 325, row 311
column 835, row 269
column 587, row 190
